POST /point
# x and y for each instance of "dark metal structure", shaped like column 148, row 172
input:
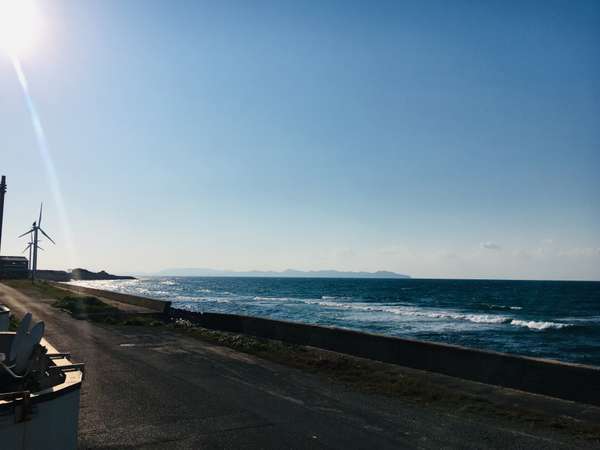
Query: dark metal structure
column 10, row 266
column 2, row 192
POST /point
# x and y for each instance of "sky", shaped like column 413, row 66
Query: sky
column 435, row 139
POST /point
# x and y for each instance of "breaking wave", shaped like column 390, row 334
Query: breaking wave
column 275, row 299
column 446, row 315
column 535, row 325
column 189, row 298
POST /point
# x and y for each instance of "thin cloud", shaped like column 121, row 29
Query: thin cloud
column 580, row 252
column 490, row 246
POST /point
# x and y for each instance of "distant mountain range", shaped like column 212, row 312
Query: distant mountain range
column 198, row 272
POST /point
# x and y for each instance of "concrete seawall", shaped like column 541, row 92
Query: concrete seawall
column 574, row 382
column 160, row 306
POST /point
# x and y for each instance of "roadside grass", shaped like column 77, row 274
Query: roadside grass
column 39, row 288
column 95, row 310
column 82, row 307
column 356, row 374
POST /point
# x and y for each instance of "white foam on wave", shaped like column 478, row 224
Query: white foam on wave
column 535, row 325
column 189, row 298
column 447, row 315
column 271, row 299
column 283, row 299
column 333, row 298
column 151, row 292
column 407, row 311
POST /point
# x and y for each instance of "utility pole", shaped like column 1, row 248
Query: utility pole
column 2, row 192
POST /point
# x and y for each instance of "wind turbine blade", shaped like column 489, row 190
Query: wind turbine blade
column 40, row 248
column 26, row 233
column 40, row 221
column 44, row 233
column 26, row 248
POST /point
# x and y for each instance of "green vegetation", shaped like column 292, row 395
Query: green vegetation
column 39, row 288
column 94, row 309
column 84, row 306
column 142, row 321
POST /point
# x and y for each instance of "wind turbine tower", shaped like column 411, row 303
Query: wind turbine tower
column 2, row 192
column 35, row 228
column 30, row 248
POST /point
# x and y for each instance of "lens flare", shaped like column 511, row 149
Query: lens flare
column 40, row 135
column 19, row 25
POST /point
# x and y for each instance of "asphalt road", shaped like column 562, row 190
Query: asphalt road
column 149, row 388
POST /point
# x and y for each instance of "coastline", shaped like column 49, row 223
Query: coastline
column 551, row 320
column 424, row 393
column 543, row 376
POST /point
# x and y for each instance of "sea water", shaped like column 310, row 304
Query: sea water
column 550, row 319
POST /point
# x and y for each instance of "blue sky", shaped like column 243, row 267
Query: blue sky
column 428, row 138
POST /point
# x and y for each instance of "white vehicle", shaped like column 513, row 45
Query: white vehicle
column 39, row 392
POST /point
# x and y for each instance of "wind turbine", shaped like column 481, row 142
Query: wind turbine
column 35, row 228
column 30, row 248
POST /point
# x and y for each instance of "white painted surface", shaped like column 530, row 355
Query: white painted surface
column 53, row 423
column 4, row 318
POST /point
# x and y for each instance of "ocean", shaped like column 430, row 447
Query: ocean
column 550, row 319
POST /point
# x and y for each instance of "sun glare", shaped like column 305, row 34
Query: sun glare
column 19, row 25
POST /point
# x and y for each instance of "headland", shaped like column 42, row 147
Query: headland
column 78, row 274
